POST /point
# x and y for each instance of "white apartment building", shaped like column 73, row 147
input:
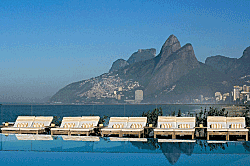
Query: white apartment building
column 218, row 96
column 236, row 92
column 138, row 95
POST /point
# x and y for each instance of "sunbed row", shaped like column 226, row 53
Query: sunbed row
column 129, row 126
column 29, row 124
column 226, row 126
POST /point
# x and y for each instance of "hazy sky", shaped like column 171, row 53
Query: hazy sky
column 45, row 44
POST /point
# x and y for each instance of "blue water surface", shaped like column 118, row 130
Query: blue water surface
column 82, row 150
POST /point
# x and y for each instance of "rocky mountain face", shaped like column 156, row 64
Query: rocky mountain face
column 161, row 72
column 118, row 64
column 140, row 55
column 174, row 75
column 232, row 67
column 246, row 55
column 221, row 63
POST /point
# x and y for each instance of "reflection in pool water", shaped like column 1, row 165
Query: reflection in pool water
column 118, row 151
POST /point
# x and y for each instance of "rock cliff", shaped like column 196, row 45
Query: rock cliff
column 118, row 64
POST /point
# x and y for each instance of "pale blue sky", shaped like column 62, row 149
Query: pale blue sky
column 46, row 44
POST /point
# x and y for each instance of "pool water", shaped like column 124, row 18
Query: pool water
column 82, row 150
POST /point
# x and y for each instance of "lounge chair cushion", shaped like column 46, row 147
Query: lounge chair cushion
column 92, row 123
column 22, row 125
column 236, row 122
column 69, row 125
column 135, row 125
column 184, row 126
column 87, row 125
column 24, row 120
column 236, row 125
column 118, row 126
column 38, row 125
column 216, row 126
column 166, row 125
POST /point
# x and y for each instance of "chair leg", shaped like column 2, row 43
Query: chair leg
column 207, row 136
column 246, row 136
column 154, row 135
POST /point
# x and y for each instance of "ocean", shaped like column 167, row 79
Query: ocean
column 9, row 113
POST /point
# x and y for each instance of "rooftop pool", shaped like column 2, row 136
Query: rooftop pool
column 82, row 150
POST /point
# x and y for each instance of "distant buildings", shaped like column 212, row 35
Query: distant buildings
column 218, row 96
column 239, row 95
column 242, row 93
column 246, row 88
column 201, row 98
column 225, row 96
column 236, row 94
column 138, row 95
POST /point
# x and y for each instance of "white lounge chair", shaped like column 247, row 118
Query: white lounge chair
column 67, row 124
column 218, row 125
column 21, row 122
column 165, row 126
column 185, row 126
column 39, row 125
column 86, row 125
column 135, row 126
column 236, row 126
column 116, row 124
column 175, row 126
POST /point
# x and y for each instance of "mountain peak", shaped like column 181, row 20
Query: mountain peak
column 188, row 47
column 170, row 46
column 173, row 43
column 118, row 64
column 142, row 55
column 246, row 53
